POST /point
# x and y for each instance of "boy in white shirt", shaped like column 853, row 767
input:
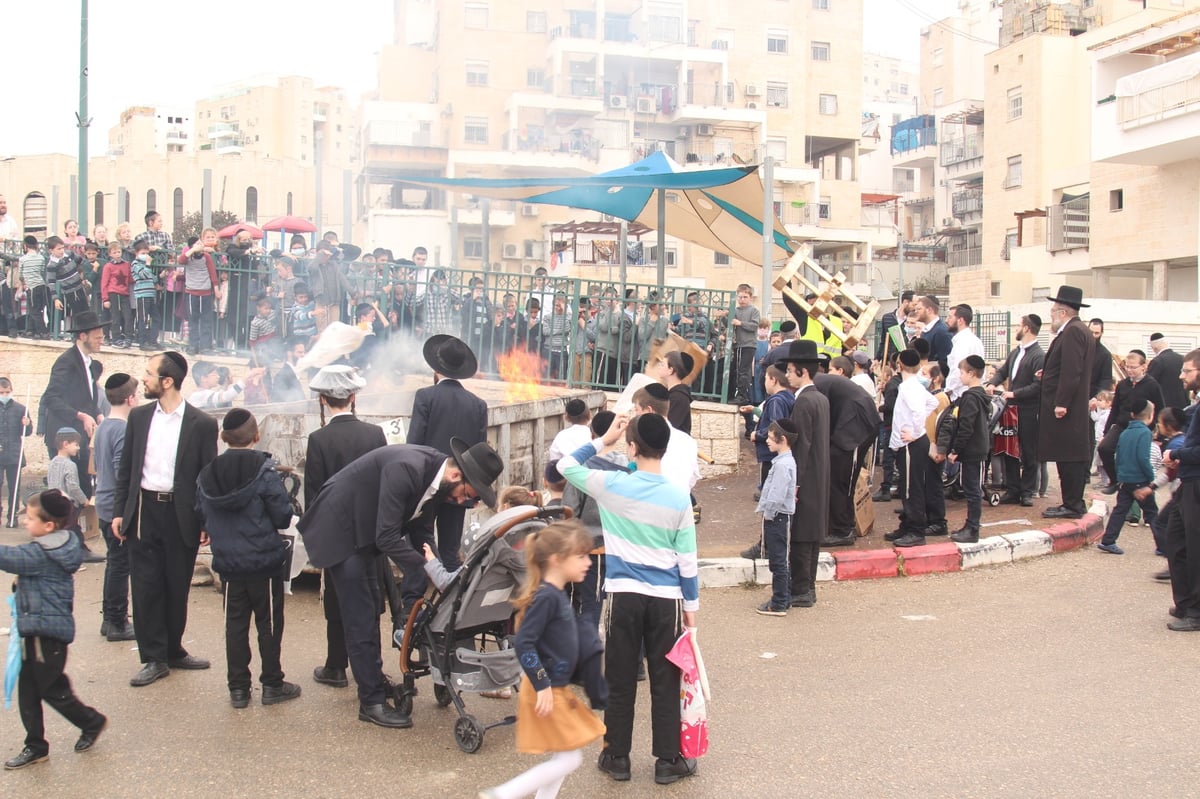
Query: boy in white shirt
column 680, row 464
column 909, row 439
column 575, row 434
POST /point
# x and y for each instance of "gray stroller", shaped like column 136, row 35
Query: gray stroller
column 445, row 636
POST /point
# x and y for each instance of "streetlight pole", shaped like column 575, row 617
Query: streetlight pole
column 81, row 118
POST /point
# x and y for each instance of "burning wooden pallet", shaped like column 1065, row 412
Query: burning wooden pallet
column 825, row 309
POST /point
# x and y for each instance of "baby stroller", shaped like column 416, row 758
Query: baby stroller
column 444, row 636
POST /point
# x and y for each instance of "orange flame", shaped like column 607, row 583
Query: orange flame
column 521, row 372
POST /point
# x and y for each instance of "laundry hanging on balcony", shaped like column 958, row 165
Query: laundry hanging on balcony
column 911, row 134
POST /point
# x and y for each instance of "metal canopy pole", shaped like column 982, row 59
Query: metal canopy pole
column 81, row 118
column 768, row 236
column 623, row 252
column 662, row 239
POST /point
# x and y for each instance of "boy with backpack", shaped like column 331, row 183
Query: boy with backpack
column 970, row 444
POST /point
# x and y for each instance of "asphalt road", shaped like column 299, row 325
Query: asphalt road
column 1051, row 677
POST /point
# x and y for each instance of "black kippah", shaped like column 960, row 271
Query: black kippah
column 657, row 390
column 653, row 430
column 55, row 503
column 116, row 380
column 910, row 358
column 787, row 326
column 177, row 359
column 236, row 418
column 920, row 345
column 1138, row 406
column 975, row 362
column 576, row 407
column 601, row 422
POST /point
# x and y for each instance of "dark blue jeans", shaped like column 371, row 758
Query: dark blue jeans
column 1125, row 501
column 776, row 535
column 972, row 486
column 116, row 577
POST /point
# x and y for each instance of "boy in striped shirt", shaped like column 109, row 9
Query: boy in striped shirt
column 651, row 579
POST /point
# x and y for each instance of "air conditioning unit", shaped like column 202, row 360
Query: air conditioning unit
column 529, row 209
column 942, row 182
column 645, row 105
column 704, row 130
column 752, row 104
column 617, row 101
column 608, row 217
column 928, row 233
column 510, row 251
column 949, row 221
column 752, row 90
column 684, row 132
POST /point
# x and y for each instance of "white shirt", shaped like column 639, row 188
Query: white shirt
column 87, row 370
column 162, row 446
column 680, row 464
column 568, row 440
column 8, row 228
column 429, row 492
column 1021, row 348
column 864, row 381
column 914, row 403
column 964, row 343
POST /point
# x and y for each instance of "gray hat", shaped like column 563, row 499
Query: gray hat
column 338, row 381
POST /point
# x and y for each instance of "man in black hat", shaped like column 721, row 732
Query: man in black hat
column 1020, row 372
column 810, row 522
column 1063, row 420
column 73, row 397
column 1165, row 367
column 853, row 425
column 386, row 501
column 441, row 412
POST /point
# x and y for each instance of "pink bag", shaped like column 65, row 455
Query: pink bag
column 693, row 713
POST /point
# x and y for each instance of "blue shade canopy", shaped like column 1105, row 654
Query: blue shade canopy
column 720, row 209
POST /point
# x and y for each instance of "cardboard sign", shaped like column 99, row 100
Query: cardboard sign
column 864, row 508
column 395, row 431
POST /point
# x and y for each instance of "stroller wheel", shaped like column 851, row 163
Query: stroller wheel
column 441, row 695
column 994, row 498
column 468, row 734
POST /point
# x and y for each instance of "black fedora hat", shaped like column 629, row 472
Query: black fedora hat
column 1069, row 295
column 450, row 357
column 480, row 466
column 802, row 351
column 85, row 321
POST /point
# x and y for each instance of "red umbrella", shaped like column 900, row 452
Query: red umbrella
column 291, row 224
column 230, row 231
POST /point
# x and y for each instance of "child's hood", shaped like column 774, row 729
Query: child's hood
column 230, row 482
column 63, row 549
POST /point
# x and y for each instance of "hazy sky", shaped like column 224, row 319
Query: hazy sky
column 171, row 53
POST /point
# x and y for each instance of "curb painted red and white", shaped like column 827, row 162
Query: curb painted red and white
column 935, row 558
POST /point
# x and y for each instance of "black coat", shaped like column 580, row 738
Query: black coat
column 1127, row 391
column 335, row 446
column 285, row 386
column 972, row 439
column 853, row 418
column 368, row 506
column 1102, row 370
column 1165, row 369
column 810, row 415
column 1024, row 384
column 197, row 448
column 11, row 432
column 1065, row 384
column 242, row 503
column 444, row 410
column 67, row 394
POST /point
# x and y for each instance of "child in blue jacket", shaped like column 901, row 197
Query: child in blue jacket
column 1135, row 475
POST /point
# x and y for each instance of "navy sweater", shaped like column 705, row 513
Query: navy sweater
column 242, row 505
column 1188, row 455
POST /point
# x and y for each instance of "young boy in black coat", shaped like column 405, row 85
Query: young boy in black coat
column 243, row 504
column 971, row 444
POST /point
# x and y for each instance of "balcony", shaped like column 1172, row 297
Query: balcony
column 966, row 259
column 223, row 130
column 705, row 102
column 957, row 151
column 967, row 202
column 391, row 144
column 914, row 141
column 1068, row 225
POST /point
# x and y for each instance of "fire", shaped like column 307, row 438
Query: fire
column 521, row 372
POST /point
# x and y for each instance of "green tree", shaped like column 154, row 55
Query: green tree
column 191, row 224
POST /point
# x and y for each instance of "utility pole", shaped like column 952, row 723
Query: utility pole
column 900, row 262
column 81, row 118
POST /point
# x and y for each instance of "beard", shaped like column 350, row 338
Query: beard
column 151, row 393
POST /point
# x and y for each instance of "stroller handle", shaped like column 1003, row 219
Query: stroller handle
column 532, row 513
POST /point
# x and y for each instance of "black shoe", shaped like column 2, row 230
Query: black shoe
column 1061, row 512
column 384, row 715
column 894, row 535
column 805, row 600
column 1163, row 576
column 669, row 771
column 965, row 535
column 328, row 676
column 151, row 672
column 1109, row 489
column 767, row 609
column 838, row 541
column 239, row 697
column 615, row 766
column 910, row 540
column 1027, row 501
column 937, row 529
column 884, row 494
column 274, row 694
column 88, row 738
column 1009, row 498
column 1175, row 612
column 104, row 627
column 189, row 663
column 753, row 552
column 123, row 633
column 1188, row 624
column 28, row 757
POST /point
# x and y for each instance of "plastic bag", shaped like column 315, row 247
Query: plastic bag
column 693, row 693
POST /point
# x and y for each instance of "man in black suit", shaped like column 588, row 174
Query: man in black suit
column 441, row 412
column 167, row 444
column 73, row 398
column 1063, row 420
column 1165, row 368
column 890, row 320
column 340, row 441
column 853, row 426
column 1020, row 371
column 386, row 502
column 1137, row 385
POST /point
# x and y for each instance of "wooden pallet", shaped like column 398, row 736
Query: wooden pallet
column 825, row 308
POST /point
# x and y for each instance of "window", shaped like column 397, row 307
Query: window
column 665, row 29
column 652, row 255
column 477, row 73
column 33, row 213
column 176, row 206
column 777, row 94
column 724, row 39
column 475, row 15
column 98, row 209
column 1014, row 103
column 938, row 56
column 1010, row 244
column 937, row 98
column 777, row 41
column 820, row 51
column 777, row 149
column 151, row 200
column 720, row 259
column 1013, row 179
column 823, row 209
column 995, row 288
column 827, row 104
column 251, row 204
column 820, row 5
column 476, row 130
column 535, row 78
column 289, row 203
column 1116, row 199
column 692, row 28
column 535, row 21
column 904, row 89
column 125, row 213
column 473, row 247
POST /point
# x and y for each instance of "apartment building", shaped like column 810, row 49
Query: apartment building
column 150, row 129
column 488, row 89
column 887, row 79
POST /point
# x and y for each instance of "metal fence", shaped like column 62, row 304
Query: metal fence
column 584, row 333
column 993, row 329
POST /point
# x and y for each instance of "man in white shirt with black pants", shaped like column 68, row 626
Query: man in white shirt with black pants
column 965, row 343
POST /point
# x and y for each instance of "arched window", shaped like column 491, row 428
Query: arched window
column 251, row 205
column 98, row 210
column 33, row 214
column 289, row 204
column 177, row 207
column 151, row 200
